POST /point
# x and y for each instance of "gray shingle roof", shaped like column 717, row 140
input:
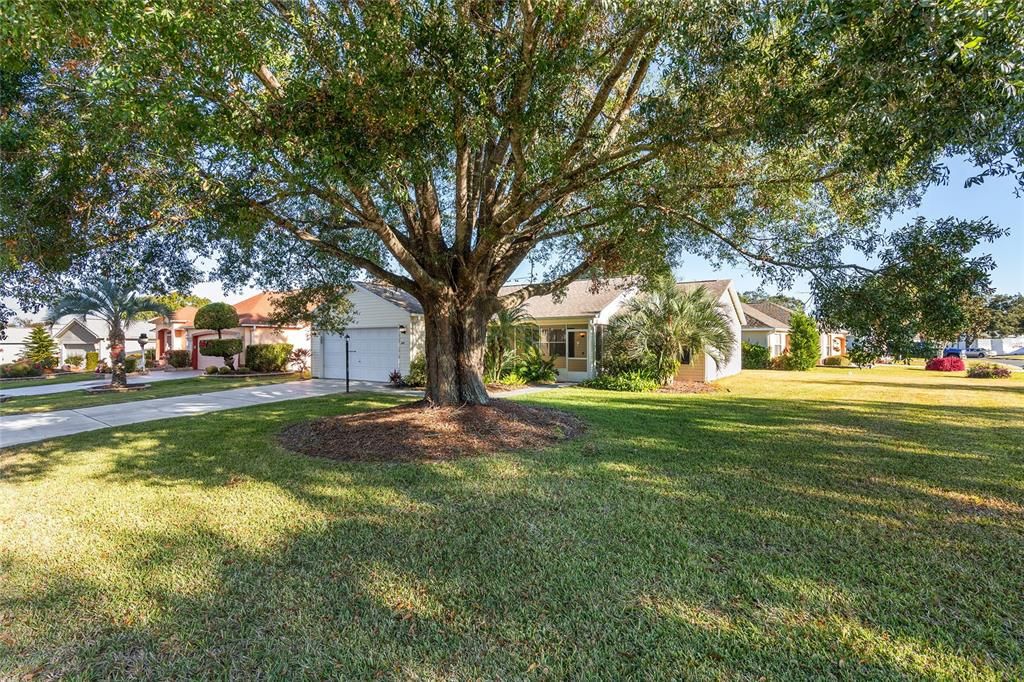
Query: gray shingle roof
column 714, row 287
column 775, row 311
column 390, row 294
column 757, row 318
column 579, row 299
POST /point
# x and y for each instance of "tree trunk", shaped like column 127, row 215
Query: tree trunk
column 118, row 377
column 456, row 335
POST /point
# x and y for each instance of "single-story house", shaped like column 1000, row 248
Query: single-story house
column 385, row 334
column 386, row 331
column 180, row 333
column 768, row 325
column 76, row 335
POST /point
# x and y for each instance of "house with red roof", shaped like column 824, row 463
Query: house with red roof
column 255, row 327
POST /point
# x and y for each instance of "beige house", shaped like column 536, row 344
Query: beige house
column 180, row 333
column 386, row 331
column 768, row 325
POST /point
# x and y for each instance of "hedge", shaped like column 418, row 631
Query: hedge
column 92, row 360
column 179, row 358
column 755, row 356
column 267, row 357
column 221, row 348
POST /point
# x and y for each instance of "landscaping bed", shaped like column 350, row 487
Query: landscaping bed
column 690, row 387
column 247, row 375
column 419, row 432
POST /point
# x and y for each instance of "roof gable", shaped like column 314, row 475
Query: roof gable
column 393, row 295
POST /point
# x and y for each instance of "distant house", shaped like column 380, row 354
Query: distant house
column 178, row 332
column 768, row 325
column 75, row 335
column 386, row 332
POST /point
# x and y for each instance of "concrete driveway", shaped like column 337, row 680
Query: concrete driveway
column 44, row 389
column 27, row 428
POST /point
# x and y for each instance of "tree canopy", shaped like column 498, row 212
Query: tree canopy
column 441, row 146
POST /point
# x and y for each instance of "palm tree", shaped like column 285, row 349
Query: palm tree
column 115, row 303
column 503, row 331
column 659, row 327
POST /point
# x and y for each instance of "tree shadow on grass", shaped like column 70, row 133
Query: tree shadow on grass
column 716, row 537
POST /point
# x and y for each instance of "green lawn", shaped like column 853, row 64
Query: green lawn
column 57, row 379
column 74, row 400
column 835, row 524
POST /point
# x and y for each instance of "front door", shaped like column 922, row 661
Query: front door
column 577, row 354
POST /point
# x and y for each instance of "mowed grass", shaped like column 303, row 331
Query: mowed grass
column 835, row 524
column 51, row 380
column 74, row 400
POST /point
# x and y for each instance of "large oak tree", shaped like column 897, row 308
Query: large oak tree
column 441, row 145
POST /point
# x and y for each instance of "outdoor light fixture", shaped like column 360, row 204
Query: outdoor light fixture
column 401, row 329
column 143, row 338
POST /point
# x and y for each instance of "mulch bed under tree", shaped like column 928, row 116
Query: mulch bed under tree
column 419, row 432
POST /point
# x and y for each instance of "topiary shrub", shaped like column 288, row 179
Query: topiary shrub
column 92, row 359
column 417, row 375
column 950, row 364
column 179, row 358
column 216, row 316
column 75, row 360
column 989, row 371
column 243, row 370
column 225, row 370
column 633, row 382
column 211, row 369
column 755, row 356
column 226, row 349
column 268, row 357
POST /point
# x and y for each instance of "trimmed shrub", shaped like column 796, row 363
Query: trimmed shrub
column 92, row 359
column 417, row 375
column 150, row 356
column 804, row 343
column 950, row 364
column 985, row 370
column 75, row 360
column 755, row 356
column 267, row 357
column 222, row 348
column 633, row 382
column 243, row 370
column 211, row 370
column 179, row 358
column 216, row 316
column 836, row 361
column 17, row 370
column 225, row 370
column 130, row 363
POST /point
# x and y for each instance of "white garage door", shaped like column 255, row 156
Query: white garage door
column 373, row 354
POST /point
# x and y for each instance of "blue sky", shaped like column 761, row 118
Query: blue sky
column 993, row 199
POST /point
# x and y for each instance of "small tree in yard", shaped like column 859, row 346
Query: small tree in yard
column 440, row 147
column 804, row 340
column 40, row 348
column 218, row 317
